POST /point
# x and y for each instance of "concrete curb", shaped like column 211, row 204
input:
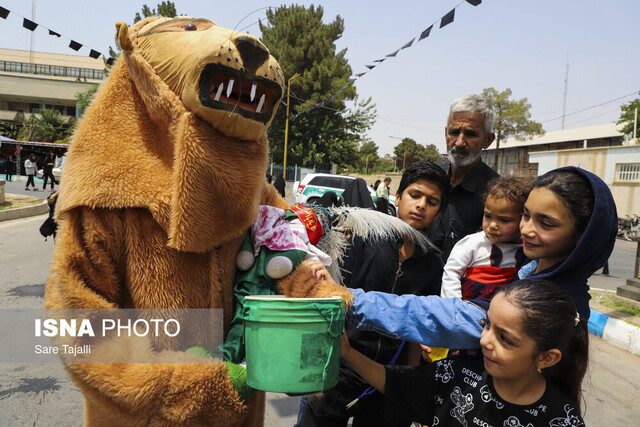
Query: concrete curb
column 615, row 331
column 24, row 212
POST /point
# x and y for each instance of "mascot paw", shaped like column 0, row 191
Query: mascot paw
column 238, row 376
column 301, row 283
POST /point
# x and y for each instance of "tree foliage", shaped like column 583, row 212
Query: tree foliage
column 46, row 126
column 414, row 152
column 302, row 43
column 513, row 118
column 627, row 117
column 85, row 98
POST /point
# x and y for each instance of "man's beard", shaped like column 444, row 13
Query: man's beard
column 461, row 156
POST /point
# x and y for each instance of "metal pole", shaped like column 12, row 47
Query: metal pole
column 286, row 128
column 635, row 123
column 404, row 159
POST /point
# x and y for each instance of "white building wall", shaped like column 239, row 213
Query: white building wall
column 620, row 155
column 546, row 160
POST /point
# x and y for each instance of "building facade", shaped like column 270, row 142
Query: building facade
column 31, row 81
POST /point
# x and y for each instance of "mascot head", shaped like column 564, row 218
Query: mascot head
column 225, row 77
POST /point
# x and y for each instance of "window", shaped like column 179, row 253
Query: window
column 628, row 172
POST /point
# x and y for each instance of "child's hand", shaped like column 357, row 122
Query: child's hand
column 345, row 346
column 426, row 351
column 319, row 271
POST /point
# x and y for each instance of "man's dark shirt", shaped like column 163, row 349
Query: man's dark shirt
column 463, row 214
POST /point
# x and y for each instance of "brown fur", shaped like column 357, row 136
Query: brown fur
column 154, row 202
column 301, row 284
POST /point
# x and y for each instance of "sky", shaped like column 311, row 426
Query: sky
column 517, row 44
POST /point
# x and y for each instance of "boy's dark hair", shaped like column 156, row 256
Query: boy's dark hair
column 515, row 189
column 549, row 317
column 430, row 172
column 575, row 192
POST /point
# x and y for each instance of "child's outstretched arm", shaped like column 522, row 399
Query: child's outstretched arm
column 372, row 372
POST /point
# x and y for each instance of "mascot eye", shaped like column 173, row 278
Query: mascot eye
column 190, row 27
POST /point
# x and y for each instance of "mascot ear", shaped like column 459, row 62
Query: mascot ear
column 122, row 34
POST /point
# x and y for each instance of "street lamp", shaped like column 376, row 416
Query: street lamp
column 286, row 128
column 404, row 159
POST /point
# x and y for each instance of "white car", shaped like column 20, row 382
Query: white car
column 314, row 185
column 57, row 173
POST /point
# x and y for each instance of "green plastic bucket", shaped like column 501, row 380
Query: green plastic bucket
column 292, row 344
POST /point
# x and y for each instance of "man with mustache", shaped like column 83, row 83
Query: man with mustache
column 469, row 130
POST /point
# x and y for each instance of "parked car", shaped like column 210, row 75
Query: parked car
column 314, row 185
column 57, row 173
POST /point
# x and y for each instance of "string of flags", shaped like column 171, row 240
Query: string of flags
column 31, row 26
column 444, row 21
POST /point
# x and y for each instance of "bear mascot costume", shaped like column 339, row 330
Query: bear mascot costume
column 163, row 179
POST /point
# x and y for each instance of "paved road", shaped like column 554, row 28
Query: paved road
column 42, row 395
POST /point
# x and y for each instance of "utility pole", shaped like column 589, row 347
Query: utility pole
column 286, row 128
column 564, row 102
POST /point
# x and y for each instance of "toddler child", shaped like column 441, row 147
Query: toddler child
column 481, row 262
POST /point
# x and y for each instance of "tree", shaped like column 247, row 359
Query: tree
column 84, row 98
column 302, row 43
column 166, row 8
column 513, row 118
column 414, row 152
column 48, row 127
column 368, row 156
column 628, row 117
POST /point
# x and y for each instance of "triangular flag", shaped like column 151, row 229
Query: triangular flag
column 110, row 61
column 352, row 79
column 360, row 75
column 474, row 2
column 75, row 45
column 448, row 18
column 425, row 33
column 94, row 54
column 393, row 54
column 379, row 60
column 29, row 25
column 4, row 12
column 371, row 67
column 53, row 33
column 408, row 44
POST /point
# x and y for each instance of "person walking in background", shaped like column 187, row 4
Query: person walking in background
column 280, row 185
column 30, row 167
column 268, row 176
column 47, row 172
column 382, row 195
column 376, row 184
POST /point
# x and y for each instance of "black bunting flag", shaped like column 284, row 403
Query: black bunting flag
column 4, row 12
column 53, row 33
column 474, row 2
column 448, row 18
column 371, row 67
column 425, row 33
column 391, row 55
column 75, row 45
column 407, row 44
column 94, row 54
column 29, row 25
column 110, row 61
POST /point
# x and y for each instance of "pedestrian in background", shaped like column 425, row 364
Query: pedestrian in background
column 280, row 185
column 382, row 195
column 10, row 168
column 30, row 167
column 47, row 172
column 268, row 176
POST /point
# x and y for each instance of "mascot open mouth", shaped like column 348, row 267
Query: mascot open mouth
column 225, row 88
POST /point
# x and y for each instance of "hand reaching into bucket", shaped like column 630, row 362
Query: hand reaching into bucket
column 311, row 280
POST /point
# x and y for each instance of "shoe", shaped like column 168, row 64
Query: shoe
column 27, row 189
column 35, row 189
